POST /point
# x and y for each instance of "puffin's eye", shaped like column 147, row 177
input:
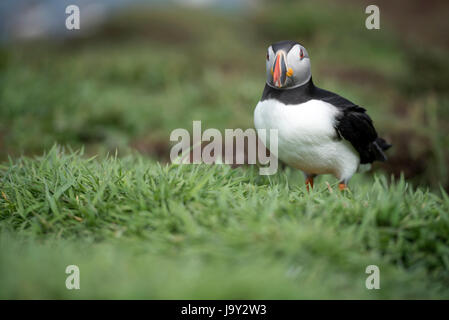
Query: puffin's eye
column 268, row 56
column 301, row 54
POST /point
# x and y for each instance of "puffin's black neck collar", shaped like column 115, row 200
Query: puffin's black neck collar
column 296, row 95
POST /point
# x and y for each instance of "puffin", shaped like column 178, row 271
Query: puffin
column 319, row 132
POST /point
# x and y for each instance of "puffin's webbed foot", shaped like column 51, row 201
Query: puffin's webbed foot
column 342, row 186
column 309, row 181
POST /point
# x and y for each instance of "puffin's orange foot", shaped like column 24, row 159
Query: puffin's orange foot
column 342, row 186
column 309, row 183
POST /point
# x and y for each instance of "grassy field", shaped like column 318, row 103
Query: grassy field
column 141, row 228
column 138, row 229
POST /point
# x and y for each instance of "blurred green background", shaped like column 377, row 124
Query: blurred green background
column 131, row 75
column 135, row 71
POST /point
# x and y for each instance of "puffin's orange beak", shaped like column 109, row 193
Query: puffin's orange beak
column 279, row 70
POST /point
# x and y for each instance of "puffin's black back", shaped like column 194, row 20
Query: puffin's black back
column 353, row 124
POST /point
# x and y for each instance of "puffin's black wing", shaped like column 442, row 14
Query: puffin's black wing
column 354, row 125
column 357, row 127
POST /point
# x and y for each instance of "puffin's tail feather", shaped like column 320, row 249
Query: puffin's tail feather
column 379, row 146
column 384, row 145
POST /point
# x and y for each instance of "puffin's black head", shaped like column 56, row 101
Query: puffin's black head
column 288, row 65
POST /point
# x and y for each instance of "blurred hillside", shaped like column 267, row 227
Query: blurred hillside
column 146, row 70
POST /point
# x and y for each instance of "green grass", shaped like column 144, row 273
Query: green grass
column 138, row 229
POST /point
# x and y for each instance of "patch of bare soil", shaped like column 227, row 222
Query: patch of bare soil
column 403, row 159
column 356, row 76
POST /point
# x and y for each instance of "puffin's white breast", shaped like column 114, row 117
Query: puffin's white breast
column 307, row 136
